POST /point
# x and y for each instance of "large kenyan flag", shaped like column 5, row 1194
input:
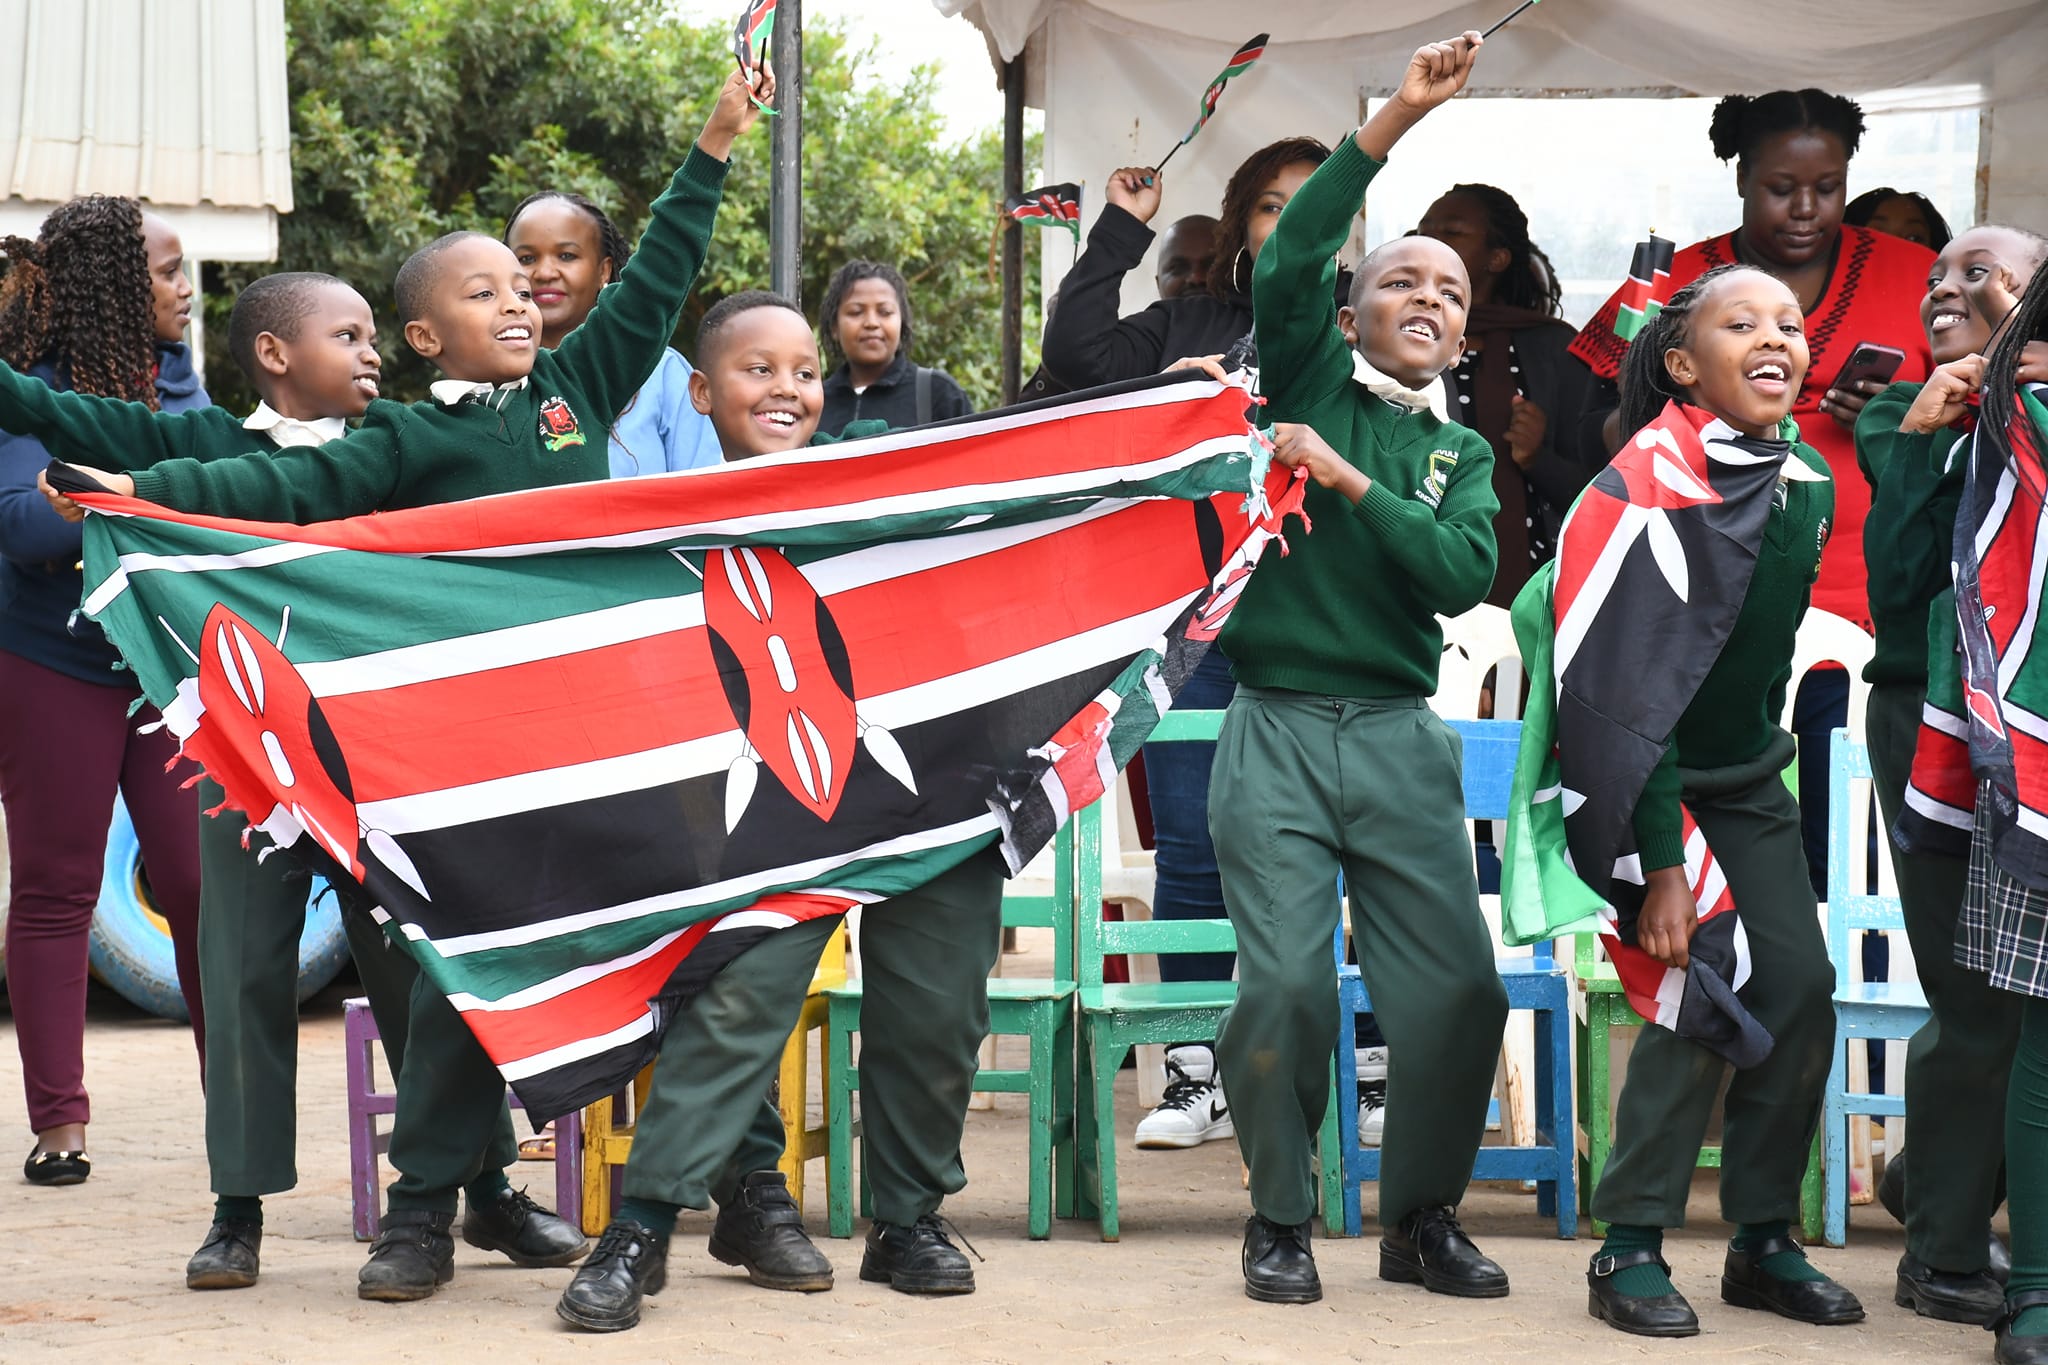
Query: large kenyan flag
column 582, row 745
column 1651, row 571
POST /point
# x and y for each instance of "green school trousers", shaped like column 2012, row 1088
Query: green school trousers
column 1306, row 787
column 1958, row 1065
column 1752, row 823
column 925, row 959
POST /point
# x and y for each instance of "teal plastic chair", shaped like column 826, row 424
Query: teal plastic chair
column 1863, row 1009
column 1038, row 1009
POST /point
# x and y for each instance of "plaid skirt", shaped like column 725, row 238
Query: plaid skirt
column 2003, row 930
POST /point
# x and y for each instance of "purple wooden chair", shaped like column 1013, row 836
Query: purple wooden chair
column 366, row 1102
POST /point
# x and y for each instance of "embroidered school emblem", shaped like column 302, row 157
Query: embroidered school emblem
column 558, row 428
column 1435, row 483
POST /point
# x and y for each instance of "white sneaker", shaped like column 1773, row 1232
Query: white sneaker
column 1372, row 1094
column 1194, row 1110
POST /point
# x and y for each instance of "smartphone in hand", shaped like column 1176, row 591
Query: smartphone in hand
column 1870, row 360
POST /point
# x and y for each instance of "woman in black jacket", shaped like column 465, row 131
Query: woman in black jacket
column 866, row 324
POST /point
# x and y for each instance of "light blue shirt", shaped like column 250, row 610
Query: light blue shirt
column 659, row 432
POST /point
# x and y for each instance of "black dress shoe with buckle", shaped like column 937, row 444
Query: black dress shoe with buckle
column 229, row 1258
column 523, row 1230
column 1891, row 1192
column 1746, row 1284
column 1279, row 1267
column 1430, row 1249
column 1952, row 1296
column 412, row 1256
column 631, row 1261
column 56, row 1168
column 762, row 1231
column 1651, row 1315
column 2012, row 1350
column 918, row 1259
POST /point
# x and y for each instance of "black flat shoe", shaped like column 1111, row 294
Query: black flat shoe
column 2012, row 1350
column 1891, row 1192
column 1430, row 1249
column 523, row 1230
column 56, row 1168
column 631, row 1261
column 918, row 1259
column 1972, row 1297
column 412, row 1257
column 1279, row 1267
column 229, row 1258
column 1746, row 1284
column 761, row 1230
column 1655, row 1315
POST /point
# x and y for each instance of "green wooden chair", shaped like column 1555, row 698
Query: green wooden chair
column 1602, row 1007
column 1039, row 1009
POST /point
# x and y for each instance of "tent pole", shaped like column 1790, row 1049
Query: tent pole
column 786, row 143
column 1013, row 238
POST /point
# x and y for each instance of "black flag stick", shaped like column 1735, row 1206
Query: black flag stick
column 1510, row 19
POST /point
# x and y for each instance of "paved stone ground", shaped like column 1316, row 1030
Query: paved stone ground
column 96, row 1272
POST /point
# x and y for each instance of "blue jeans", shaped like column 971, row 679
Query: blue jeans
column 1177, row 781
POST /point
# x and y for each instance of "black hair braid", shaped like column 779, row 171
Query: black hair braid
column 2001, row 406
column 80, row 298
column 842, row 283
column 1228, row 276
column 1741, row 122
column 1529, row 281
column 1646, row 384
column 611, row 243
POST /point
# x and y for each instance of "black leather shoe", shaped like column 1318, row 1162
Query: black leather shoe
column 2001, row 1261
column 2012, row 1350
column 523, row 1230
column 1657, row 1315
column 762, row 1230
column 631, row 1261
column 1891, row 1192
column 1278, row 1265
column 229, row 1258
column 1951, row 1296
column 412, row 1256
column 1746, row 1284
column 56, row 1168
column 919, row 1259
column 1430, row 1249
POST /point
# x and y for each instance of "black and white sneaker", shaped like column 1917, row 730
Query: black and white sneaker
column 1194, row 1110
column 1372, row 1094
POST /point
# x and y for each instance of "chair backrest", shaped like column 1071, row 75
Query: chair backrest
column 1024, row 909
column 1489, row 775
column 1476, row 643
column 1825, row 638
column 1854, row 906
column 1096, row 938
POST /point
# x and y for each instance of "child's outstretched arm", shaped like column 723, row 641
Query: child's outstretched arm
column 108, row 433
column 621, row 342
column 1302, row 356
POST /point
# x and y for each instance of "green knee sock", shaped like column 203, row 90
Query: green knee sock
column 241, row 1208
column 1645, row 1281
column 2026, row 1138
column 486, row 1188
column 652, row 1214
column 1789, row 1266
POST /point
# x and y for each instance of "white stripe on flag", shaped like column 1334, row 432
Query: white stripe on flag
column 576, row 1051
column 1934, row 810
column 1571, row 631
column 559, row 985
column 1935, row 718
column 263, row 557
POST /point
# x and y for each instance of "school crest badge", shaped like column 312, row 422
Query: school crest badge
column 1437, row 480
column 558, row 426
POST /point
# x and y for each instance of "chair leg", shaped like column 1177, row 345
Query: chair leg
column 1834, row 1143
column 569, row 1166
column 1349, row 1149
column 839, row 1082
column 1106, row 1065
column 597, row 1177
column 1087, row 1169
column 792, row 1092
column 1554, row 1094
column 1043, row 1105
column 1065, row 1171
column 1330, row 1146
column 1811, row 1198
column 1595, row 1073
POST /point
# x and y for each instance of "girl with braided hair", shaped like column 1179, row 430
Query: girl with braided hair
column 98, row 302
column 571, row 250
column 1515, row 384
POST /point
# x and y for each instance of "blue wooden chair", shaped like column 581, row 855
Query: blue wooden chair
column 1535, row 982
column 1863, row 1009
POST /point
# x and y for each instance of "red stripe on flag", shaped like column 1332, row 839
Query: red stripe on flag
column 1592, row 525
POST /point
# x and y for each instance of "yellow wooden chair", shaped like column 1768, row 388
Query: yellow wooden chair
column 608, row 1123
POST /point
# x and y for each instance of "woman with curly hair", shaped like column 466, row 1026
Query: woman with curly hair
column 98, row 302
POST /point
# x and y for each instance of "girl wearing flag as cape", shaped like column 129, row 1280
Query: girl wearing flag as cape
column 1651, row 781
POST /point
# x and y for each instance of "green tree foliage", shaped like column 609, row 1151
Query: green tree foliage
column 417, row 119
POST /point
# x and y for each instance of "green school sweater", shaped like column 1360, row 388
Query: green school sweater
column 551, row 432
column 1352, row 611
column 1909, row 537
column 1733, row 718
column 112, row 433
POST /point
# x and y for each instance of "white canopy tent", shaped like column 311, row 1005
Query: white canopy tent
column 1118, row 79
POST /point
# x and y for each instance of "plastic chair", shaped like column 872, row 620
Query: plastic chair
column 365, row 1102
column 1115, row 1016
column 1875, row 1009
column 1039, row 1009
column 1535, row 982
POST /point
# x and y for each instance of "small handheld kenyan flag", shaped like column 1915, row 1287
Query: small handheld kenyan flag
column 1648, row 288
column 1048, row 206
column 1239, row 63
column 750, row 35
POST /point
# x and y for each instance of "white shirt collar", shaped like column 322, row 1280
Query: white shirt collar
column 291, row 431
column 451, row 393
column 1429, row 397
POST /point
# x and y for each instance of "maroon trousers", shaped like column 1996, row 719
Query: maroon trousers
column 65, row 747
